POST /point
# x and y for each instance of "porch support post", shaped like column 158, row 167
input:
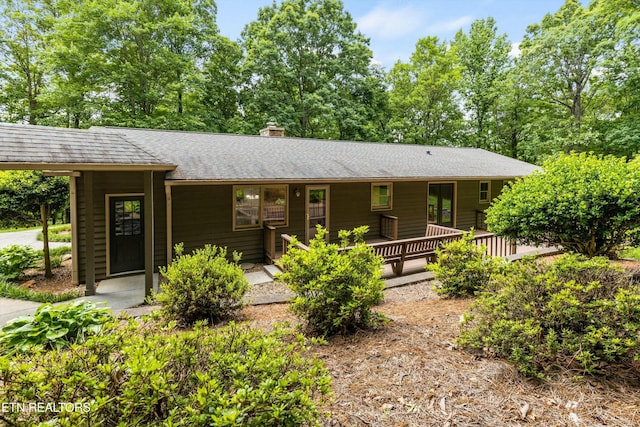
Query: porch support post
column 73, row 205
column 148, row 233
column 167, row 190
column 89, row 227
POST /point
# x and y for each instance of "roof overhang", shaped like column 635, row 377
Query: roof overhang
column 182, row 182
column 98, row 167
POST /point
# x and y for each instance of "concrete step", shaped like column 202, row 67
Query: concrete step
column 272, row 270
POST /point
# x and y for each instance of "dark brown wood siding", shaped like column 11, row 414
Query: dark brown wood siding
column 468, row 199
column 107, row 183
column 351, row 207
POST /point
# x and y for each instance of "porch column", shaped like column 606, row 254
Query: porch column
column 148, row 232
column 89, row 227
column 73, row 202
column 167, row 191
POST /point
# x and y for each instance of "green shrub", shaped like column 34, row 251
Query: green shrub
column 583, row 203
column 335, row 287
column 15, row 259
column 203, row 285
column 462, row 268
column 12, row 290
column 135, row 374
column 53, row 327
column 574, row 314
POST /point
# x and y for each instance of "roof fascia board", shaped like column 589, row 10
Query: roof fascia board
column 183, row 182
column 85, row 167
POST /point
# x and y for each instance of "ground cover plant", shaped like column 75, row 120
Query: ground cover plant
column 137, row 374
column 576, row 314
column 15, row 259
column 53, row 327
column 12, row 290
column 203, row 285
column 336, row 286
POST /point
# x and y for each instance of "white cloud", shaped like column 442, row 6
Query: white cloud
column 391, row 24
column 515, row 50
column 450, row 26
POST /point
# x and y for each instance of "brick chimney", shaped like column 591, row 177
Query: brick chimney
column 272, row 130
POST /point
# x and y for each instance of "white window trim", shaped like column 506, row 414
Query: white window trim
column 488, row 199
column 260, row 223
column 382, row 208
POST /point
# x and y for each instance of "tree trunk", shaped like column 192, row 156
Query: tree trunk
column 44, row 218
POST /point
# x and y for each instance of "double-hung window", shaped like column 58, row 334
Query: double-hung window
column 485, row 191
column 381, row 196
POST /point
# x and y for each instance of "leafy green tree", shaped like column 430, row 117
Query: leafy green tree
column 304, row 63
column 32, row 193
column 24, row 25
column 484, row 58
column 218, row 87
column 619, row 124
column 561, row 60
column 146, row 56
column 422, row 101
column 582, row 202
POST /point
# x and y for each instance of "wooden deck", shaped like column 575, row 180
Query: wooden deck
column 397, row 253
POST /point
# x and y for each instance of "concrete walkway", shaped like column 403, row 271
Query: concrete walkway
column 127, row 293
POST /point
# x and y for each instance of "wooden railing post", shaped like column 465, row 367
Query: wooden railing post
column 389, row 227
column 270, row 243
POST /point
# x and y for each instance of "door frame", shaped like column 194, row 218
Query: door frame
column 107, row 209
column 454, row 201
column 307, row 216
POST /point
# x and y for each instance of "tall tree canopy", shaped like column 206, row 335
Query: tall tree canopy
column 422, row 98
column 305, row 67
column 484, row 59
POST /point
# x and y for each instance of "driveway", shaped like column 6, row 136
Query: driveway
column 26, row 238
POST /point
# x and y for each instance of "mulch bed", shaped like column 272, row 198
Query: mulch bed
column 410, row 373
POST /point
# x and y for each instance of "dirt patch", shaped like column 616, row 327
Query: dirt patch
column 60, row 282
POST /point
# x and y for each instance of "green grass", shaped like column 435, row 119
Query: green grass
column 632, row 253
column 12, row 229
column 58, row 233
column 10, row 290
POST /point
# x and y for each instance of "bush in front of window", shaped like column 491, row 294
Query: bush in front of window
column 336, row 286
column 203, row 285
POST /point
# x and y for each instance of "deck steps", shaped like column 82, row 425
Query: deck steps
column 271, row 270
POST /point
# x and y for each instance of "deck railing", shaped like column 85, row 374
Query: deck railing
column 389, row 227
column 270, row 243
column 496, row 246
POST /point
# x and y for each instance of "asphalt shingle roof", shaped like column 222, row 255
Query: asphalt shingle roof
column 226, row 157
column 33, row 145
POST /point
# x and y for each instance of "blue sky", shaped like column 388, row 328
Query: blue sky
column 394, row 26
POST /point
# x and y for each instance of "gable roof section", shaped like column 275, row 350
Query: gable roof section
column 42, row 147
column 226, row 157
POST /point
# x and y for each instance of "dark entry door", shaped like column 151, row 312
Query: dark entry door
column 126, row 247
column 441, row 204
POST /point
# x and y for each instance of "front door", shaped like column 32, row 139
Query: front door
column 126, row 243
column 317, row 210
column 440, row 209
